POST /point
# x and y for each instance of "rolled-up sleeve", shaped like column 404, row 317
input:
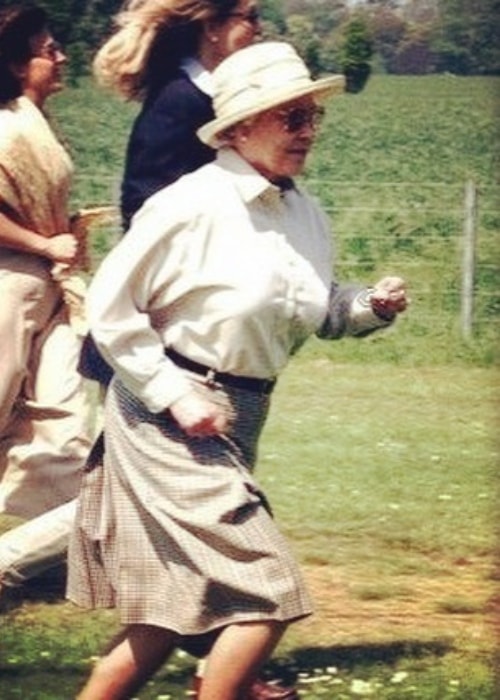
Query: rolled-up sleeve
column 350, row 313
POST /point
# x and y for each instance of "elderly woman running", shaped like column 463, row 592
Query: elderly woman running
column 222, row 277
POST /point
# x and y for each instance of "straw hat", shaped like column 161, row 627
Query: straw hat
column 258, row 78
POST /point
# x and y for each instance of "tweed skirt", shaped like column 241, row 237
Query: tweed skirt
column 174, row 531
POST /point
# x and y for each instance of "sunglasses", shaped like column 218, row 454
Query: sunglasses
column 295, row 119
column 252, row 16
column 51, row 51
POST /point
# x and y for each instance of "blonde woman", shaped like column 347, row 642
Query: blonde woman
column 162, row 55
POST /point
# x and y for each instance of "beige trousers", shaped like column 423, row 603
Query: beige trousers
column 44, row 437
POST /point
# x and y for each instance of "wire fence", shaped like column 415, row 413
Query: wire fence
column 444, row 238
column 446, row 245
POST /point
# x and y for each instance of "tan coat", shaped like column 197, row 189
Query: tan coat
column 43, row 407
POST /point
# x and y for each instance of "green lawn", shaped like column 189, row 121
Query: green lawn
column 384, row 480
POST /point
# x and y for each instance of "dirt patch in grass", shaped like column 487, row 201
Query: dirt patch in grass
column 358, row 622
column 461, row 606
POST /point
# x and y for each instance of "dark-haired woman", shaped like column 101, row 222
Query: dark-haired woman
column 43, row 408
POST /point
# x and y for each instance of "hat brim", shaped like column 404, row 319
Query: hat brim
column 321, row 89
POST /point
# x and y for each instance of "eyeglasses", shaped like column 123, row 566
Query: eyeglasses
column 294, row 119
column 252, row 16
column 51, row 51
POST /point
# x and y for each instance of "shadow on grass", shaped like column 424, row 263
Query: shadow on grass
column 308, row 660
column 63, row 684
column 46, row 683
column 48, row 588
column 42, row 679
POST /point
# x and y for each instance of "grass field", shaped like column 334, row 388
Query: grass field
column 390, row 166
column 384, row 480
column 380, row 456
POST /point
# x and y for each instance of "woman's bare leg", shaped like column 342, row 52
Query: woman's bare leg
column 236, row 658
column 133, row 658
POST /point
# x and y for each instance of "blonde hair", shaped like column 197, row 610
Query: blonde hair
column 151, row 38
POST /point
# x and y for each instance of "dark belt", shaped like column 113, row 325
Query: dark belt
column 261, row 386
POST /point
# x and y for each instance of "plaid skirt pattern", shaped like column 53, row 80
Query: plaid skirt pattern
column 174, row 531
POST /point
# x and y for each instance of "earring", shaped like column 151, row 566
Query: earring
column 214, row 39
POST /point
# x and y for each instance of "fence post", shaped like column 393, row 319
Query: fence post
column 468, row 258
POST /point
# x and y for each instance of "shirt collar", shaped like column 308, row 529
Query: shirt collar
column 249, row 182
column 198, row 74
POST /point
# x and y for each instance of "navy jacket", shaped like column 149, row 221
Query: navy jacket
column 163, row 144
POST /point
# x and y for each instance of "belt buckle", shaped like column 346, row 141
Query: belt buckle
column 210, row 379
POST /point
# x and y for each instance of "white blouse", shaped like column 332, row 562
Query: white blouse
column 221, row 266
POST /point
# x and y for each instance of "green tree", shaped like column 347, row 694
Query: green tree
column 466, row 39
column 80, row 25
column 273, row 18
column 413, row 55
column 356, row 50
column 301, row 33
column 387, row 30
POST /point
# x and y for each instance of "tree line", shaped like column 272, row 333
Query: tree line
column 351, row 36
